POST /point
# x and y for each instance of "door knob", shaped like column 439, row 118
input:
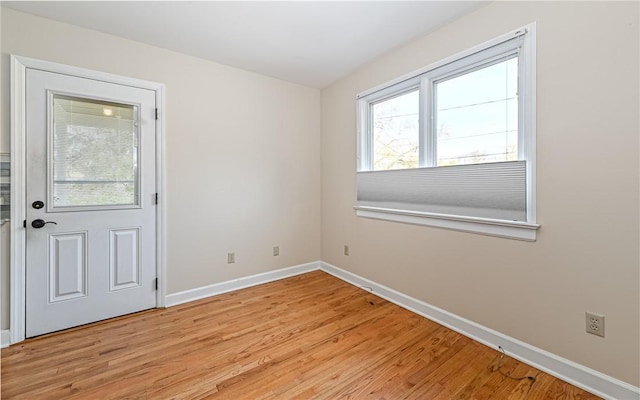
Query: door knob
column 39, row 223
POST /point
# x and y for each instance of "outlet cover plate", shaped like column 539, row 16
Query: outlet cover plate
column 594, row 324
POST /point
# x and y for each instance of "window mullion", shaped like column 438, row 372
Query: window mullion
column 428, row 137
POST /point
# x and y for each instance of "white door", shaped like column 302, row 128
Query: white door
column 90, row 192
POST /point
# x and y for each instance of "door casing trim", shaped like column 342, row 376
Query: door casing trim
column 19, row 66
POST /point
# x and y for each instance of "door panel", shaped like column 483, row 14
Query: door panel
column 90, row 157
column 124, row 265
column 67, row 266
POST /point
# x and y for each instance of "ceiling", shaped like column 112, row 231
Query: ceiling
column 312, row 43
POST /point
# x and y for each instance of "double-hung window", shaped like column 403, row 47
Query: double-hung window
column 453, row 145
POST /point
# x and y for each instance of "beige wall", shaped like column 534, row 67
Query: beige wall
column 586, row 255
column 243, row 165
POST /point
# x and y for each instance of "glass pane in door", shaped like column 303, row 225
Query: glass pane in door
column 93, row 153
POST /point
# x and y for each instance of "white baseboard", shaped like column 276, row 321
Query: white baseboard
column 174, row 299
column 569, row 371
column 5, row 338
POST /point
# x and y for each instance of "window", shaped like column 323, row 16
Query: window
column 476, row 115
column 453, row 145
column 396, row 133
column 94, row 154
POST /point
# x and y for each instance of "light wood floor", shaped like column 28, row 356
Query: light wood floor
column 307, row 337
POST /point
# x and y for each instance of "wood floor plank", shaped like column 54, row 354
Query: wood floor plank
column 312, row 336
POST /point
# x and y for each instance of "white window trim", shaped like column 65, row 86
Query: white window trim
column 527, row 149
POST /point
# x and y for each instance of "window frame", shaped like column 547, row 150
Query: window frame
column 365, row 106
column 51, row 207
column 458, row 68
column 522, row 43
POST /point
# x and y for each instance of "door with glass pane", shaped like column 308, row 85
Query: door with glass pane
column 90, row 227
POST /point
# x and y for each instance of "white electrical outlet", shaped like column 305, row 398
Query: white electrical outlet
column 231, row 258
column 595, row 324
column 346, row 250
column 276, row 251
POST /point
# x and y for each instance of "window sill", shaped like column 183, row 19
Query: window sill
column 484, row 226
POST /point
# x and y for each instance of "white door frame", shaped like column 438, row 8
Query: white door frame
column 19, row 66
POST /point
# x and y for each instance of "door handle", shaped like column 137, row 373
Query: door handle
column 39, row 223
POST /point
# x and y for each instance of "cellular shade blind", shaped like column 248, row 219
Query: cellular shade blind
column 492, row 190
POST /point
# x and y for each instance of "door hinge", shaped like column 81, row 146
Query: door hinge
column 156, row 283
column 156, row 198
column 24, row 223
column 156, row 114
